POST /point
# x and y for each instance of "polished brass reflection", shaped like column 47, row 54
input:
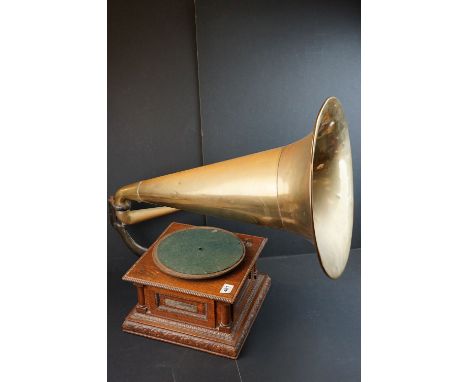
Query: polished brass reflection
column 305, row 187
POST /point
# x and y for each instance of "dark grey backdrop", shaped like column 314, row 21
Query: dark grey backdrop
column 264, row 69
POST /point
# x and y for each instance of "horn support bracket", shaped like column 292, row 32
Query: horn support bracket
column 120, row 227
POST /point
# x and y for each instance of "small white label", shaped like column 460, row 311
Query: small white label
column 227, row 288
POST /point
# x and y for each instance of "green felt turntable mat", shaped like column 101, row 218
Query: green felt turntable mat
column 198, row 253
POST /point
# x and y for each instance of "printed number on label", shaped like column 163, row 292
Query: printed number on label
column 227, row 288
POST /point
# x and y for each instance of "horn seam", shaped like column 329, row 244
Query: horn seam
column 277, row 187
column 138, row 191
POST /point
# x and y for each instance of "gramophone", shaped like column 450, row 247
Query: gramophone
column 199, row 286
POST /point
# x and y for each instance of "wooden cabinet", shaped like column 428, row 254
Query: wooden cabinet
column 212, row 315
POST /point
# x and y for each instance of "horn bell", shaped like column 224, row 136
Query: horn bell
column 315, row 188
column 332, row 197
column 305, row 187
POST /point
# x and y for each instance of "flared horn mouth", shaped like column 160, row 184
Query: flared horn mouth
column 332, row 188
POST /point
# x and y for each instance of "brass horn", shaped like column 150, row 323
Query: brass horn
column 305, row 187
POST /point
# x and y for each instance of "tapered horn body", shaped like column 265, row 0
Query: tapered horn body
column 305, row 187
